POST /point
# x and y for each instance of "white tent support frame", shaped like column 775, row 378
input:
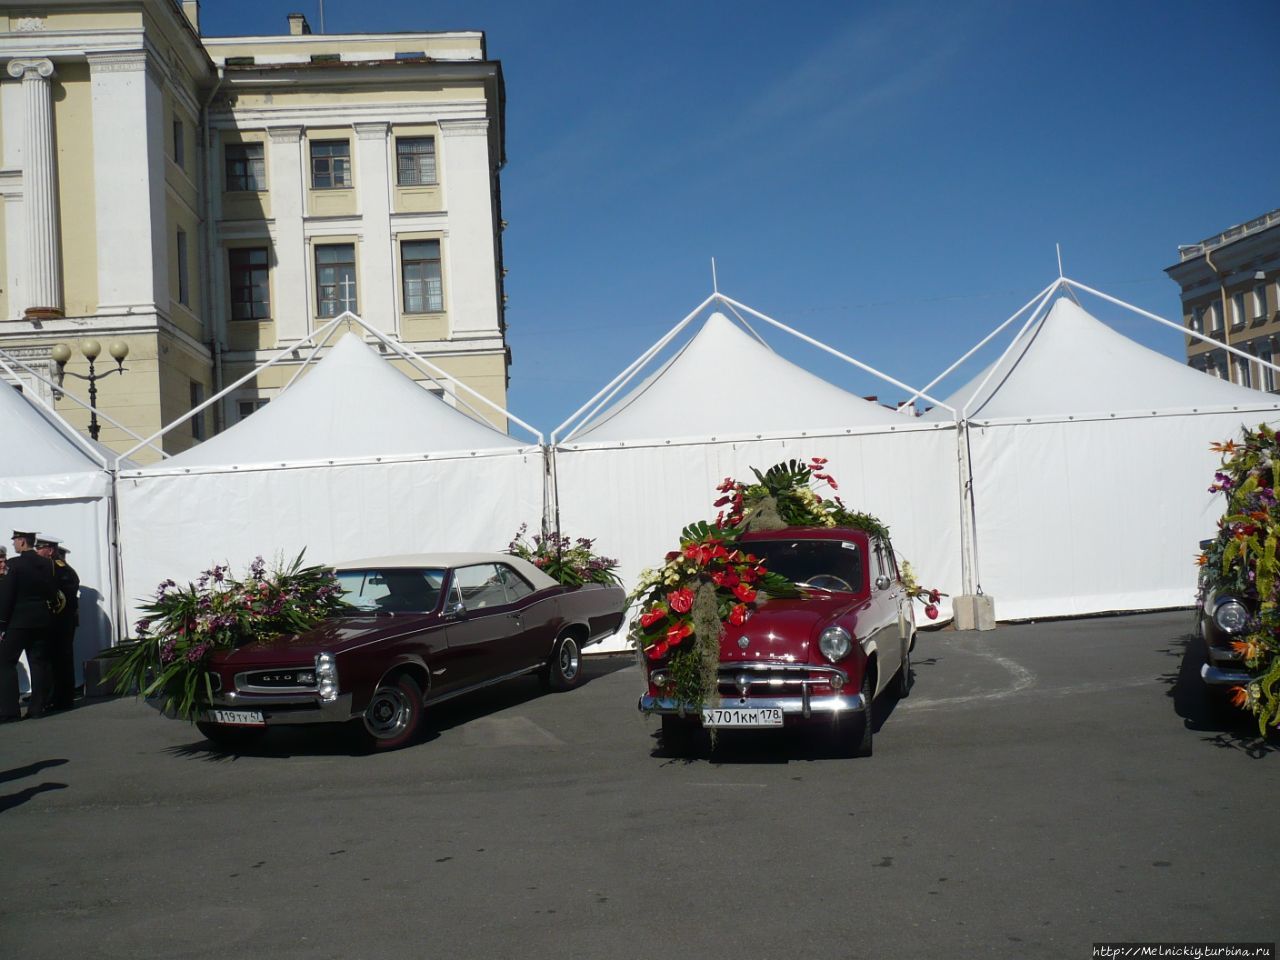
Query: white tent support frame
column 9, row 362
column 593, row 406
column 432, row 371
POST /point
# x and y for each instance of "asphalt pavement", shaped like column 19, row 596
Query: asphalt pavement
column 1044, row 787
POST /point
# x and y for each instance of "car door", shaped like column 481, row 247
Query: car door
column 886, row 612
column 484, row 628
column 539, row 617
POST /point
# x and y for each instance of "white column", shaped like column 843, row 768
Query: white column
column 471, row 258
column 128, row 184
column 378, row 275
column 291, row 298
column 43, row 291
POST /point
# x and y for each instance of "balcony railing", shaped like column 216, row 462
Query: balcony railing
column 1192, row 250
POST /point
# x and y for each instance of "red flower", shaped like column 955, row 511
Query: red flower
column 678, row 633
column 722, row 501
column 725, row 578
column 931, row 612
column 653, row 615
column 817, row 461
column 657, row 650
column 934, row 596
column 744, row 593
column 681, row 600
column 738, row 615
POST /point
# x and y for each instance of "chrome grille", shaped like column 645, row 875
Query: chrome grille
column 746, row 679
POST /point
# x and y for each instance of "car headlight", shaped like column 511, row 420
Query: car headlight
column 1231, row 616
column 835, row 643
column 327, row 676
column 659, row 678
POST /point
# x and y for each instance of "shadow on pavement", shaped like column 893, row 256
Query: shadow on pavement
column 345, row 740
column 1208, row 711
column 17, row 773
column 11, row 800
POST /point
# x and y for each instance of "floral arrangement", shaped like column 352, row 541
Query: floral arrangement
column 570, row 562
column 711, row 580
column 183, row 626
column 1243, row 559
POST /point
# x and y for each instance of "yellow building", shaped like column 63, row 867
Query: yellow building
column 208, row 201
column 1231, row 293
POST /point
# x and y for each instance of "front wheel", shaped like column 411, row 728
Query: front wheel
column 394, row 715
column 903, row 688
column 564, row 668
column 853, row 736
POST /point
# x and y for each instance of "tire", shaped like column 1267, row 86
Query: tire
column 393, row 718
column 903, row 686
column 229, row 738
column 564, row 668
column 853, row 738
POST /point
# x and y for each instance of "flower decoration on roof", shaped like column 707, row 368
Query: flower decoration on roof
column 568, row 561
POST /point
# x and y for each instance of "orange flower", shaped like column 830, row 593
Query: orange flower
column 1227, row 446
column 1201, row 560
column 1239, row 696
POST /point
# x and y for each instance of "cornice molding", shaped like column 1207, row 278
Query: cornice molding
column 372, row 131
column 289, row 134
column 471, row 127
column 118, row 61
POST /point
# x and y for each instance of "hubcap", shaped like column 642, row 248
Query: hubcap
column 388, row 713
column 569, row 658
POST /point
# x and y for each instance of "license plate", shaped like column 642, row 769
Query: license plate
column 742, row 717
column 237, row 718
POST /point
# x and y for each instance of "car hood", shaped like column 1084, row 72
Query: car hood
column 786, row 629
column 333, row 636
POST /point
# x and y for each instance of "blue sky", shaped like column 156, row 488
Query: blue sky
column 889, row 178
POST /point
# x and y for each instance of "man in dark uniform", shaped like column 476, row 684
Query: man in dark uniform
column 62, row 652
column 27, row 596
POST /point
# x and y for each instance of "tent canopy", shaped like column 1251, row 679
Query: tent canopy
column 350, row 405
column 725, row 382
column 1070, row 363
column 44, row 459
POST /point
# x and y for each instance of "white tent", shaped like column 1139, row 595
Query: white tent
column 1090, row 460
column 644, row 465
column 54, row 482
column 352, row 454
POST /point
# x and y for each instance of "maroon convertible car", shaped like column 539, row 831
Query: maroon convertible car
column 424, row 629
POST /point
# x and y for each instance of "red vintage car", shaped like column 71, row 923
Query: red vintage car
column 423, row 629
column 819, row 660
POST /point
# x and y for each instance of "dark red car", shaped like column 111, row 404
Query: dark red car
column 817, row 660
column 425, row 629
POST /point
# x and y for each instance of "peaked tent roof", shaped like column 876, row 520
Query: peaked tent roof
column 687, row 396
column 350, row 405
column 1072, row 363
column 42, row 458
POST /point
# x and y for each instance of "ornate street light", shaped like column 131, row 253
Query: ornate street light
column 91, row 349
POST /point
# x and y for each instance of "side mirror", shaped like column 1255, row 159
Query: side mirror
column 882, row 582
column 454, row 608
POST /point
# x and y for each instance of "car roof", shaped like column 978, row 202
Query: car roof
column 457, row 559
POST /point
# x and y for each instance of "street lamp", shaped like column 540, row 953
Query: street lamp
column 91, row 349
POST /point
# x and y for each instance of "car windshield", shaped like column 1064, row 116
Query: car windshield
column 824, row 564
column 396, row 590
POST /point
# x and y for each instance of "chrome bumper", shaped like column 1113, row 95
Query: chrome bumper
column 286, row 709
column 804, row 706
column 1217, row 677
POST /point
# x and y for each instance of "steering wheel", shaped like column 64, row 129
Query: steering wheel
column 827, row 581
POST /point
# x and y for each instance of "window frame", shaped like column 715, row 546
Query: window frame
column 1260, row 301
column 179, row 143
column 354, row 306
column 257, row 403
column 184, row 269
column 427, row 304
column 415, row 157
column 195, row 392
column 327, row 160
column 233, row 287
column 253, row 175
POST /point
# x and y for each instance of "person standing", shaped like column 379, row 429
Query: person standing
column 27, row 597
column 62, row 652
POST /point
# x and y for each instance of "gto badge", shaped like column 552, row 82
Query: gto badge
column 743, row 643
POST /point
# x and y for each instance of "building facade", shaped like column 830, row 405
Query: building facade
column 207, row 201
column 1231, row 293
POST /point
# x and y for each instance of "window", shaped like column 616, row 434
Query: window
column 250, row 292
column 479, row 586
column 184, row 286
column 330, row 164
column 1237, row 309
column 410, row 55
column 245, row 408
column 239, row 61
column 179, row 144
column 1259, row 301
column 420, row 266
column 245, row 169
column 517, row 586
column 197, row 422
column 335, row 279
column 326, row 58
column 1268, row 375
column 1215, row 318
column 1196, row 322
column 415, row 161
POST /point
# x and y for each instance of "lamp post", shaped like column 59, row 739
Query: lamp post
column 91, row 349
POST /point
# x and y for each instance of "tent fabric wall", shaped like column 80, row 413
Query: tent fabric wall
column 1092, row 516
column 635, row 500
column 175, row 525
